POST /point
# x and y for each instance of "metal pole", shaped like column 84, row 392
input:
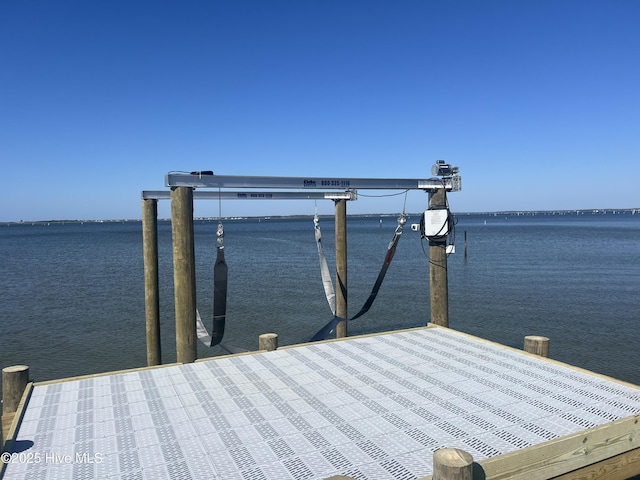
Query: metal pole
column 438, row 281
column 341, row 266
column 151, row 282
column 184, row 273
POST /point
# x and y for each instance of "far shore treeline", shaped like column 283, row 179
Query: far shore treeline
column 591, row 211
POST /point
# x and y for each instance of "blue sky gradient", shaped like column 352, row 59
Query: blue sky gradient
column 537, row 101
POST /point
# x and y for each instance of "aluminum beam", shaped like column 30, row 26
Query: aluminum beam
column 453, row 184
column 203, row 195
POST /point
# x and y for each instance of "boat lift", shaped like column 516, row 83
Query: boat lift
column 182, row 194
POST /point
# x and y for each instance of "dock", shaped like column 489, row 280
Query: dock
column 369, row 407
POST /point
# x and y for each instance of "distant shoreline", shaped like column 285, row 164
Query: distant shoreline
column 589, row 211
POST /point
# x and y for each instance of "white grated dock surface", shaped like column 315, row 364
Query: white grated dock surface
column 371, row 408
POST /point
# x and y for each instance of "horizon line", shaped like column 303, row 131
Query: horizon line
column 242, row 217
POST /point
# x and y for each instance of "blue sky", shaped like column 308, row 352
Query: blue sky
column 537, row 102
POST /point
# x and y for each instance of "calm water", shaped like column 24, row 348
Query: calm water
column 73, row 294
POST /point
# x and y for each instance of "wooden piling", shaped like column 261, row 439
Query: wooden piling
column 14, row 381
column 341, row 266
column 268, row 342
column 536, row 345
column 452, row 464
column 438, row 279
column 151, row 280
column 184, row 273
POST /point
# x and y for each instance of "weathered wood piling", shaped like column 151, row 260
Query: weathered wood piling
column 341, row 266
column 452, row 464
column 537, row 345
column 184, row 273
column 151, row 280
column 14, row 382
column 438, row 278
column 268, row 342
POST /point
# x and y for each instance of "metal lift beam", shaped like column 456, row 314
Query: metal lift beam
column 228, row 195
column 208, row 180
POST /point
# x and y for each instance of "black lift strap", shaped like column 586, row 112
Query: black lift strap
column 220, row 277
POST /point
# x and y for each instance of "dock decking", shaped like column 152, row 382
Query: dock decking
column 372, row 407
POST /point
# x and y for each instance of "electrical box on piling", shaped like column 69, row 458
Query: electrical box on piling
column 436, row 223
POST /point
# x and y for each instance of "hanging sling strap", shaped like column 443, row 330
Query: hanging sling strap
column 220, row 276
column 324, row 268
column 330, row 327
column 391, row 250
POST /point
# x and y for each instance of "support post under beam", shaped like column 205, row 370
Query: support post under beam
column 184, row 273
column 341, row 266
column 151, row 280
column 438, row 279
